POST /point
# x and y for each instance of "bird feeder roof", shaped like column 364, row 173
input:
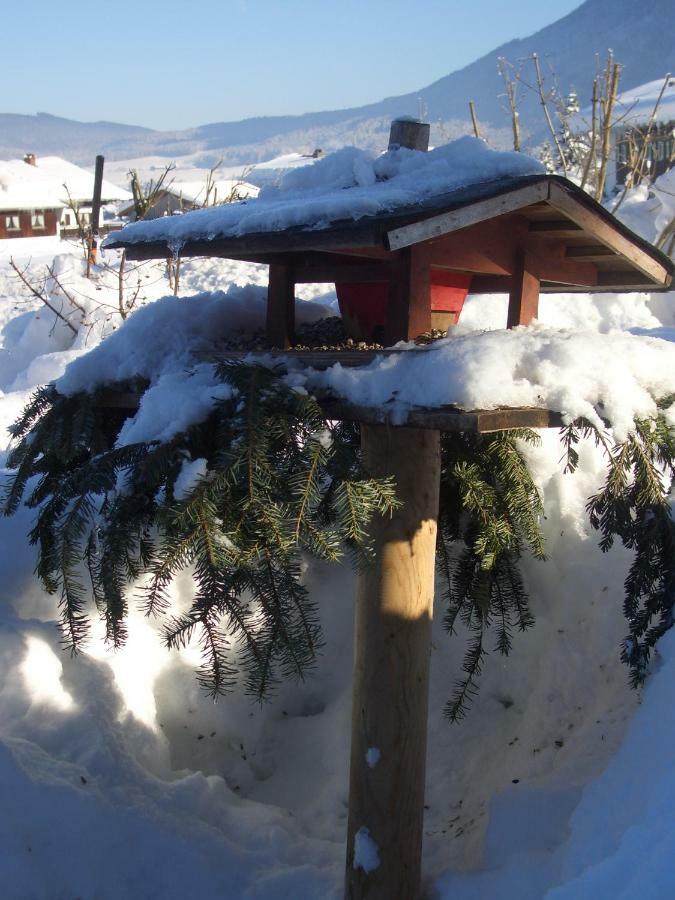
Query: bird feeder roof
column 464, row 206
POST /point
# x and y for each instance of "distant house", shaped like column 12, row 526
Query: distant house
column 78, row 186
column 183, row 196
column 30, row 204
column 634, row 110
column 36, row 194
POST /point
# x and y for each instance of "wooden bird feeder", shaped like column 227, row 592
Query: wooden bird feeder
column 520, row 236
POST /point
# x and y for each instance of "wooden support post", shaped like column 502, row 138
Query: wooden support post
column 391, row 672
column 410, row 133
column 95, row 213
column 281, row 306
column 524, row 293
column 409, row 310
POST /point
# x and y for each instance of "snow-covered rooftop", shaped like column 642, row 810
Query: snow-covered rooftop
column 272, row 170
column 195, row 191
column 80, row 182
column 346, row 185
column 635, row 107
column 24, row 186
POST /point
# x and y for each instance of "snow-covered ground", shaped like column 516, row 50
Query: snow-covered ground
column 120, row 780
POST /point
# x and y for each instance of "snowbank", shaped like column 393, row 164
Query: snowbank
column 618, row 837
column 347, row 184
column 92, row 808
column 648, row 209
column 165, row 336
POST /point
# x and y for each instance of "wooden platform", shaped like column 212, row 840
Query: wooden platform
column 446, row 418
column 440, row 418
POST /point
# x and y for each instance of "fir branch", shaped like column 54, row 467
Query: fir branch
column 490, row 505
column 633, row 506
column 467, row 688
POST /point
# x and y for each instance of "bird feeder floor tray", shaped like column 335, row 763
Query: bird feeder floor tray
column 438, row 418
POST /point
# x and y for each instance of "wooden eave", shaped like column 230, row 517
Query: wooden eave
column 573, row 241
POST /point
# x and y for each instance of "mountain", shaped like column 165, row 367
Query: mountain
column 571, row 50
column 49, row 135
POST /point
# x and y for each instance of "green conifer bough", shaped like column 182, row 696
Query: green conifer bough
column 283, row 482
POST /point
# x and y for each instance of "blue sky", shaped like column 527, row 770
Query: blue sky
column 168, row 65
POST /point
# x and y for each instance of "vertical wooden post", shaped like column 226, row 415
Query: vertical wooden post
column 96, row 199
column 281, row 306
column 410, row 133
column 391, row 672
column 409, row 309
column 95, row 213
column 524, row 293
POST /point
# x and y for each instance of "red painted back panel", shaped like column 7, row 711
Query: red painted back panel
column 364, row 304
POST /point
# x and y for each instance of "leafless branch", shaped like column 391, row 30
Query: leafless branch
column 41, row 295
column 120, row 285
column 590, row 159
column 65, row 293
column 511, row 84
column 146, row 197
column 607, row 102
column 547, row 114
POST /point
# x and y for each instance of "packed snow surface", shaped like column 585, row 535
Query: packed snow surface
column 164, row 336
column 347, row 184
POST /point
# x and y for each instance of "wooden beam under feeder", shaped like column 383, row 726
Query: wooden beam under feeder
column 392, row 654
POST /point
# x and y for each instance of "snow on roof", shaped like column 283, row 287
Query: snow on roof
column 80, row 182
column 345, row 185
column 24, row 187
column 634, row 107
column 272, row 170
column 195, row 191
column 285, row 161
